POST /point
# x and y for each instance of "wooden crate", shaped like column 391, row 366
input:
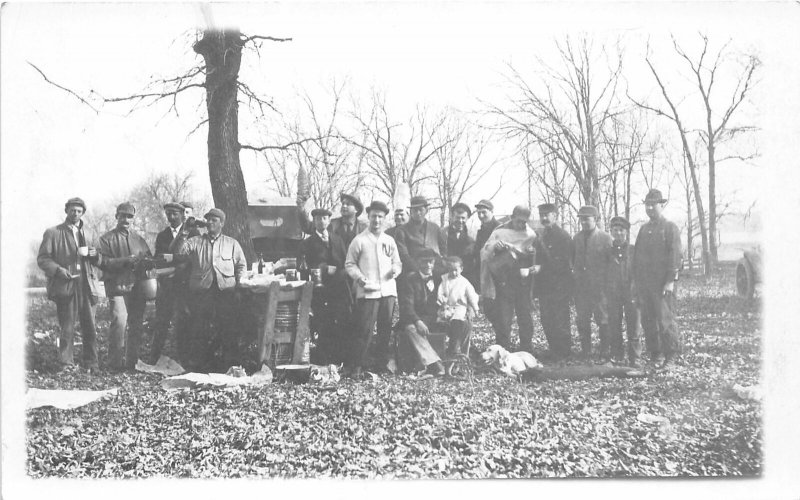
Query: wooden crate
column 282, row 338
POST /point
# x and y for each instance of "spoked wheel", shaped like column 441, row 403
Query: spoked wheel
column 745, row 279
column 458, row 367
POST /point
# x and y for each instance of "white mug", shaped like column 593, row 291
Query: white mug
column 331, row 269
column 167, row 257
column 525, row 271
column 83, row 251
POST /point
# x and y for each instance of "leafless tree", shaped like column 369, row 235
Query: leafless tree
column 566, row 109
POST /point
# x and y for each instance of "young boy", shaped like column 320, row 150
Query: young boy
column 620, row 294
column 456, row 298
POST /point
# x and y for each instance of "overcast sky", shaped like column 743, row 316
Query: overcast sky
column 444, row 53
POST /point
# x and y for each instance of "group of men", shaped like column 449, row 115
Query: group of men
column 427, row 277
column 196, row 294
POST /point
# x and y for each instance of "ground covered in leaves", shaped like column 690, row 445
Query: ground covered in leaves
column 687, row 422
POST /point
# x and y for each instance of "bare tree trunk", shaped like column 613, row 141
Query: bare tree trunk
column 712, row 204
column 222, row 52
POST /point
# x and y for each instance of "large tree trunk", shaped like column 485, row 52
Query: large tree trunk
column 222, row 52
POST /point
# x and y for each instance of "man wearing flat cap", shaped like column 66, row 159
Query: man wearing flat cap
column 459, row 243
column 217, row 263
column 121, row 252
column 172, row 288
column 591, row 247
column 330, row 303
column 554, row 282
column 72, row 282
column 656, row 264
column 485, row 211
column 620, row 294
column 373, row 263
column 508, row 254
column 419, row 233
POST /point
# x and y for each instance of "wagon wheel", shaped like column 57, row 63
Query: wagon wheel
column 745, row 279
column 458, row 367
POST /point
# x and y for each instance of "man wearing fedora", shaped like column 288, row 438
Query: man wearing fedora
column 620, row 293
column 72, row 282
column 171, row 300
column 509, row 252
column 373, row 262
column 591, row 247
column 347, row 226
column 325, row 251
column 459, row 243
column 121, row 251
column 419, row 233
column 657, row 259
column 554, row 282
column 217, row 263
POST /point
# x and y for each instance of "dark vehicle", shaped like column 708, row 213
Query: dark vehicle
column 748, row 273
column 275, row 228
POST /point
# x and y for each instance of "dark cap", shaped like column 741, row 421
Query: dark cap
column 521, row 210
column 378, row 205
column 425, row 253
column 173, row 206
column 75, row 201
column 126, row 208
column 485, row 204
column 186, row 204
column 588, row 211
column 215, row 212
column 546, row 208
column 400, row 210
column 462, row 206
column 619, row 221
column 355, row 200
column 418, row 201
column 320, row 212
column 654, row 196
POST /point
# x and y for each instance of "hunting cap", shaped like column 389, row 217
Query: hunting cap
column 588, row 211
column 319, row 212
column 521, row 211
column 355, row 200
column 619, row 221
column 215, row 212
column 126, row 208
column 654, row 196
column 378, row 205
column 425, row 253
column 546, row 208
column 485, row 204
column 173, row 205
column 75, row 201
column 418, row 201
column 186, row 204
column 458, row 207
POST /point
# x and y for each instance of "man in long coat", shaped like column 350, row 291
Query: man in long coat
column 657, row 261
column 485, row 211
column 554, row 282
column 331, row 303
column 620, row 293
column 591, row 246
column 72, row 282
column 459, row 243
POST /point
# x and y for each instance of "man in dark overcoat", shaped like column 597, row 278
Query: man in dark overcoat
column 419, row 233
column 620, row 293
column 656, row 265
column 459, row 243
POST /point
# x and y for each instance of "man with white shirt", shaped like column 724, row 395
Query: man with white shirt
column 72, row 282
column 373, row 262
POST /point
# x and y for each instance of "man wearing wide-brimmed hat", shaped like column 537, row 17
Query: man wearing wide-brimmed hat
column 325, row 251
column 620, row 294
column 171, row 299
column 217, row 264
column 373, row 263
column 72, row 282
column 554, row 282
column 459, row 243
column 591, row 246
column 656, row 264
column 121, row 251
column 347, row 226
column 419, row 233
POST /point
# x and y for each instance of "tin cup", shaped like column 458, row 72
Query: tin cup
column 316, row 277
column 291, row 275
column 525, row 272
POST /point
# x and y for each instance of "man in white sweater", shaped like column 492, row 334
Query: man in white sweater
column 373, row 262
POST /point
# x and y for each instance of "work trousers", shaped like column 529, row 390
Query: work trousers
column 370, row 312
column 214, row 324
column 415, row 352
column 171, row 309
column 658, row 321
column 79, row 307
column 125, row 330
column 330, row 320
column 619, row 306
column 489, row 307
column 514, row 299
column 590, row 306
column 458, row 337
column 554, row 315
